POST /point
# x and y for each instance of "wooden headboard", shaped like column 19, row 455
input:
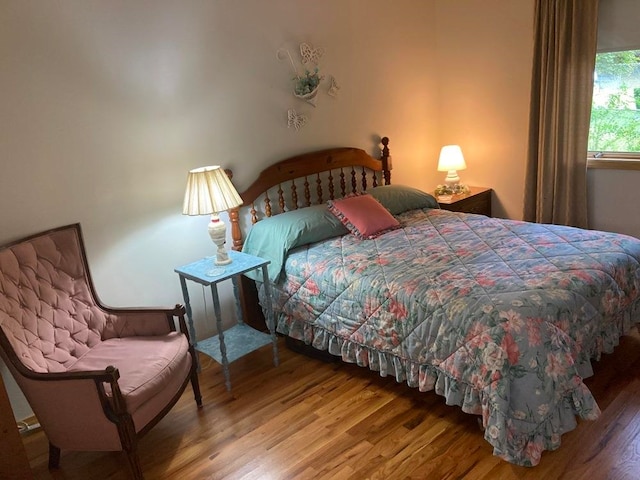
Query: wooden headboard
column 336, row 172
column 301, row 181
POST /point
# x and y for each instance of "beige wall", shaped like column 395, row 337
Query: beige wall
column 107, row 104
column 484, row 62
column 613, row 201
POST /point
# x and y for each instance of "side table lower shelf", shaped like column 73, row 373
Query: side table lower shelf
column 239, row 340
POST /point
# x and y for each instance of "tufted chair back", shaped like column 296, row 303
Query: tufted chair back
column 47, row 310
column 97, row 377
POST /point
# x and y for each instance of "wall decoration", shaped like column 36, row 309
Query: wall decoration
column 307, row 85
column 310, row 54
column 295, row 120
column 333, row 87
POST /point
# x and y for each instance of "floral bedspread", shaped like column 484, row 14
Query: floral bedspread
column 500, row 317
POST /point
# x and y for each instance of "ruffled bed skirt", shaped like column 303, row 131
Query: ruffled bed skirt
column 515, row 440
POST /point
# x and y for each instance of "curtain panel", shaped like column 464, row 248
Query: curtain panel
column 565, row 36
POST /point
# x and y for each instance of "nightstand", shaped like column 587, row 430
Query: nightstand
column 478, row 200
column 241, row 339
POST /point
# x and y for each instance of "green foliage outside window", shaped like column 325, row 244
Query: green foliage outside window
column 615, row 112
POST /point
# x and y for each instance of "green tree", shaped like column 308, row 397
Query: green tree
column 619, row 64
column 615, row 122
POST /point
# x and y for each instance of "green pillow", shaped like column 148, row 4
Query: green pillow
column 400, row 198
column 273, row 237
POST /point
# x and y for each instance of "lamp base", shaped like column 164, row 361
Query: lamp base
column 222, row 258
column 452, row 178
column 218, row 233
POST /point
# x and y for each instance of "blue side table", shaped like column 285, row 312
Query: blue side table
column 240, row 339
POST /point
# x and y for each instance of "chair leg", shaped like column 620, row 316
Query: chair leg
column 195, row 383
column 134, row 464
column 54, row 456
column 129, row 441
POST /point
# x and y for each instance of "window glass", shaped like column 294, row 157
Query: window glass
column 615, row 111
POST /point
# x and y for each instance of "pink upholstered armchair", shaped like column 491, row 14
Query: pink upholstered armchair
column 97, row 378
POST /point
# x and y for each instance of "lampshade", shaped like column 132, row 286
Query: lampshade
column 209, row 190
column 451, row 158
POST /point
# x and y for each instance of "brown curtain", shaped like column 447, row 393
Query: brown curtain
column 561, row 88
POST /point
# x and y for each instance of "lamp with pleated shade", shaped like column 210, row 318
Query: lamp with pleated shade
column 210, row 191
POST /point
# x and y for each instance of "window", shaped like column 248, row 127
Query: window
column 615, row 111
column 614, row 132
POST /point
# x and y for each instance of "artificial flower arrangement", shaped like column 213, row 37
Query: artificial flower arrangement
column 307, row 83
column 457, row 189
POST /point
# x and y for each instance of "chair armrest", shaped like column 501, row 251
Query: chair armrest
column 108, row 375
column 142, row 321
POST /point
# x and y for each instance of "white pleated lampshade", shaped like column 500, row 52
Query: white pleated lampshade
column 209, row 190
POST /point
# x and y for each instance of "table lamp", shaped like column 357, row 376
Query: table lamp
column 451, row 160
column 210, row 191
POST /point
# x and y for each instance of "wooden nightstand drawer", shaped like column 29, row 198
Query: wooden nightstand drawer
column 477, row 201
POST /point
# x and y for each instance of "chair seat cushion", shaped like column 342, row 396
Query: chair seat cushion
column 150, row 367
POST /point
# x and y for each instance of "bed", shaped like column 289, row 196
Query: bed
column 500, row 317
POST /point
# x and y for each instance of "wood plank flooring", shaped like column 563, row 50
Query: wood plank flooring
column 312, row 420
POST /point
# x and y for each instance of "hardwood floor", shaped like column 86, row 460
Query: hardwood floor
column 312, row 420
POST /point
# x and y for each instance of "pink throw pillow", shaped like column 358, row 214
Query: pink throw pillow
column 363, row 215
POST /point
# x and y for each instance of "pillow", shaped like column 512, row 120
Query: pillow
column 273, row 237
column 400, row 198
column 363, row 215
